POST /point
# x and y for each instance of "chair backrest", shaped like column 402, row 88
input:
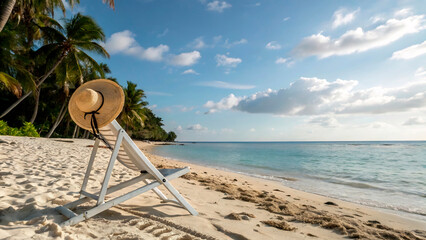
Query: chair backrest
column 129, row 154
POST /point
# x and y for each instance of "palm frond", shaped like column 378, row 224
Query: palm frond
column 52, row 35
column 84, row 28
column 93, row 47
column 140, row 117
column 90, row 62
column 111, row 3
column 77, row 65
column 11, row 84
column 43, row 20
column 26, row 78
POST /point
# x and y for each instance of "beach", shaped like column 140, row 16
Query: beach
column 38, row 174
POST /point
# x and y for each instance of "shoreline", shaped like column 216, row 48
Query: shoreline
column 39, row 174
column 387, row 212
column 399, row 212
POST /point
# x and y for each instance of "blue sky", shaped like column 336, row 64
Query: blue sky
column 273, row 70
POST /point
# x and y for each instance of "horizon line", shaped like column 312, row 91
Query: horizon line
column 186, row 141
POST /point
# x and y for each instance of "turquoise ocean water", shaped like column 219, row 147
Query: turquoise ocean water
column 388, row 175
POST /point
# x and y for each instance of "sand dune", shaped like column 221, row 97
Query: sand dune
column 39, row 174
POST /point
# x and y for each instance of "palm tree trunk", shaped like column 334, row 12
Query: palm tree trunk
column 6, row 8
column 78, row 132
column 75, row 130
column 37, row 86
column 58, row 119
column 15, row 104
column 37, row 101
column 67, row 128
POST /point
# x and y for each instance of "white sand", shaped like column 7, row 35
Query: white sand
column 39, row 174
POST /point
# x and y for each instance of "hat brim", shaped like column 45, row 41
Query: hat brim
column 112, row 107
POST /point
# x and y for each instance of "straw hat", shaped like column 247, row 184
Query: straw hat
column 101, row 98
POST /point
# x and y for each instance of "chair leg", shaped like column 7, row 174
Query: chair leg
column 110, row 167
column 180, row 198
column 89, row 167
column 157, row 191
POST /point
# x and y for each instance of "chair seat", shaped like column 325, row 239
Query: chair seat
column 170, row 172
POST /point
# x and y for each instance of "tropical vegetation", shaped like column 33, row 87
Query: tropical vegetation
column 43, row 61
column 27, row 129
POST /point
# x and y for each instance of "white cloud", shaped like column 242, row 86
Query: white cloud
column 410, row 52
column 376, row 19
column 286, row 19
column 281, row 60
column 225, row 104
column 198, row 43
column 179, row 128
column 415, row 121
column 359, row 40
column 314, row 96
column 223, row 60
column 420, row 72
column 120, row 42
column 218, row 6
column 185, row 59
column 325, row 121
column 343, row 17
column 403, row 12
column 152, row 53
column 227, row 44
column 124, row 42
column 252, row 130
column 220, row 84
column 273, row 45
column 190, row 71
column 196, row 127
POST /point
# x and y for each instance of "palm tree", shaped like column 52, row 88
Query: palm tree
column 68, row 45
column 6, row 7
column 133, row 106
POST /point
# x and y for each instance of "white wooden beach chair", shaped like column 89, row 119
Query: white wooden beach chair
column 126, row 152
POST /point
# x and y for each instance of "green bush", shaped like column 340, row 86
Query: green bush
column 27, row 130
